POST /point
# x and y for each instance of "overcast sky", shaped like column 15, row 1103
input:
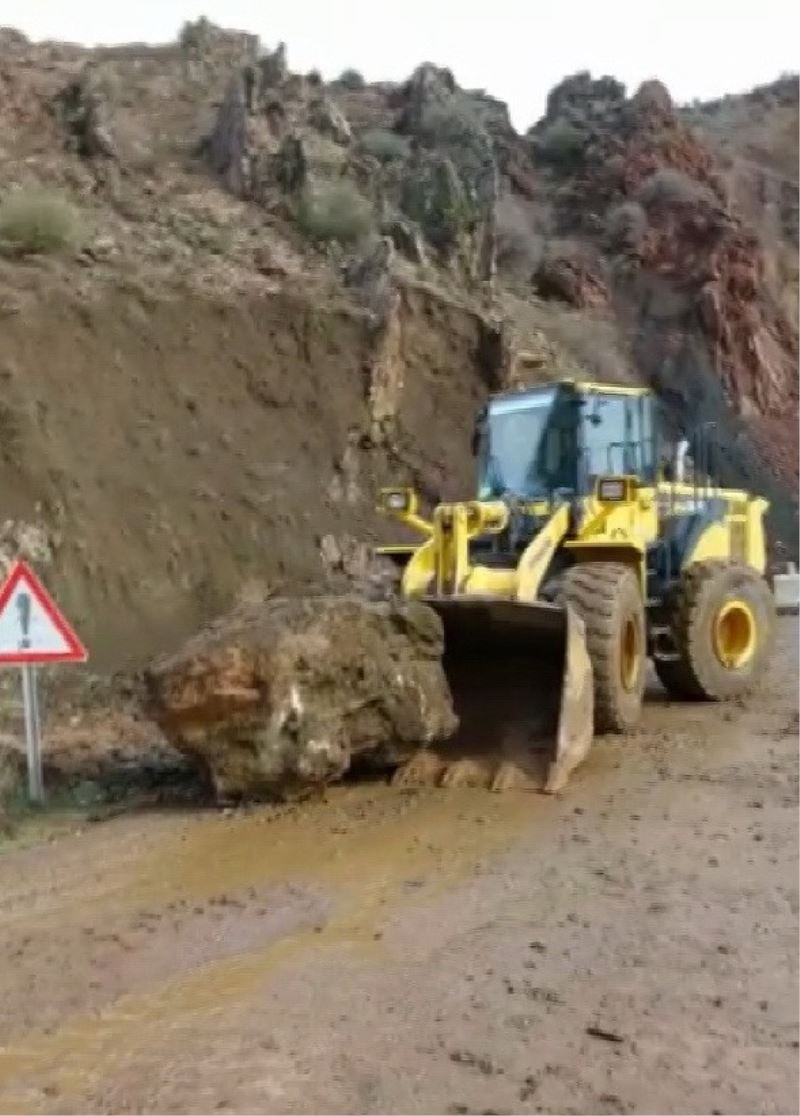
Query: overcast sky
column 516, row 49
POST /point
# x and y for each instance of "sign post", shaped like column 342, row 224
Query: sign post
column 33, row 631
column 33, row 743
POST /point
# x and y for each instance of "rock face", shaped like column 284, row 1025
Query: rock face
column 689, row 276
column 282, row 697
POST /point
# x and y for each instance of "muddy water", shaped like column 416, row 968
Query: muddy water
column 362, row 847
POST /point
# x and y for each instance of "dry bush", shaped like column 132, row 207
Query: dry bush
column 37, row 222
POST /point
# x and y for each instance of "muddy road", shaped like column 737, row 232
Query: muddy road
column 629, row 946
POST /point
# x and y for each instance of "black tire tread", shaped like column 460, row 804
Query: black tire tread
column 688, row 677
column 592, row 588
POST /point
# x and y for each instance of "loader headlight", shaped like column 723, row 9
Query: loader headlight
column 611, row 489
column 398, row 500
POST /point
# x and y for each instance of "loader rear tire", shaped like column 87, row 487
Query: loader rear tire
column 723, row 625
column 607, row 597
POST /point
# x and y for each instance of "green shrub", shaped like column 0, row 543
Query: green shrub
column 451, row 122
column 351, row 79
column 384, row 145
column 561, row 143
column 452, row 129
column 37, row 222
column 195, row 33
column 335, row 211
column 435, row 197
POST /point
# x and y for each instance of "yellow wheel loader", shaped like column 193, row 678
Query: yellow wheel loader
column 585, row 553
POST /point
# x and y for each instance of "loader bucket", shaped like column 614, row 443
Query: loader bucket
column 521, row 683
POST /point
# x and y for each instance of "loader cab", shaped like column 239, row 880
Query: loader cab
column 557, row 439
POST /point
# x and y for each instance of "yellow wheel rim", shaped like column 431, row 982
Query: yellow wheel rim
column 630, row 654
column 734, row 634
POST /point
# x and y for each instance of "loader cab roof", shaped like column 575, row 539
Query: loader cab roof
column 579, row 387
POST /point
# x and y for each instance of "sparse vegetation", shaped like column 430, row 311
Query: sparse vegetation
column 351, row 79
column 384, row 145
column 195, row 33
column 453, row 129
column 561, row 143
column 626, row 224
column 449, row 122
column 592, row 341
column 434, row 197
column 335, row 211
column 519, row 249
column 672, row 187
column 37, row 222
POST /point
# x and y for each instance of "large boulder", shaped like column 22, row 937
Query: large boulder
column 283, row 696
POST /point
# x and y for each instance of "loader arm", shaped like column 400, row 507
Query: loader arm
column 440, row 567
column 517, row 665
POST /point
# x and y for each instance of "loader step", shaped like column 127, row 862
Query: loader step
column 661, row 641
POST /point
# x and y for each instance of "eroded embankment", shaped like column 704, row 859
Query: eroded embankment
column 175, row 449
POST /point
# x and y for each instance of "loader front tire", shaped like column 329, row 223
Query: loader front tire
column 607, row 597
column 723, row 622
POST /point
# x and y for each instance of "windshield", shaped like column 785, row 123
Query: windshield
column 522, row 449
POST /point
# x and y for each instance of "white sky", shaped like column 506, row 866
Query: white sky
column 515, row 49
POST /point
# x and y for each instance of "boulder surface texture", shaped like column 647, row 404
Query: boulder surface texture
column 283, row 696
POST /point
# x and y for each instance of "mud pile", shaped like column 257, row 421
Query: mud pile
column 287, row 695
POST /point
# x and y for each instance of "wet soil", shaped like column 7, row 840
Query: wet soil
column 628, row 946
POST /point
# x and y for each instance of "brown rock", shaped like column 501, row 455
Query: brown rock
column 571, row 280
column 280, row 697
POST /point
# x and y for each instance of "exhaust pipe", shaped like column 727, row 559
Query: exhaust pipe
column 681, row 454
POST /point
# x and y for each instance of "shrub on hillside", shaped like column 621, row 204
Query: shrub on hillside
column 626, row 225
column 452, row 129
column 195, row 33
column 672, row 187
column 335, row 211
column 383, row 145
column 519, row 249
column 452, row 122
column 352, row 79
column 37, row 222
column 561, row 143
column 435, row 198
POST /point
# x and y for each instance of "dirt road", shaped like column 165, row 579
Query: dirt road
column 630, row 946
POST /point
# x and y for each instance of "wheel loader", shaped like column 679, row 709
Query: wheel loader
column 587, row 552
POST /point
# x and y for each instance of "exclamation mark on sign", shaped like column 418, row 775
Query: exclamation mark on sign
column 24, row 607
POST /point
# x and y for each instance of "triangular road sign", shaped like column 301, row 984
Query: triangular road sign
column 32, row 629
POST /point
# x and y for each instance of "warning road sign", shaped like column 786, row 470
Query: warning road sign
column 32, row 628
